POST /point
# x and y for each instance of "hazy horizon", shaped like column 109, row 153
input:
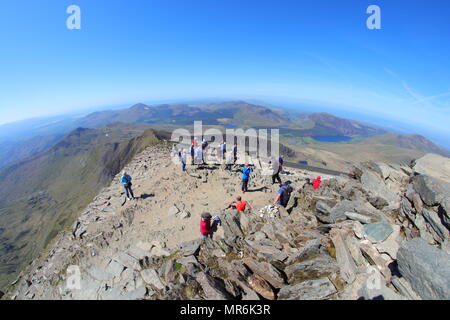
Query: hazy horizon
column 282, row 52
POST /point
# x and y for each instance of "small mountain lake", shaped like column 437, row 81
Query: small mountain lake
column 331, row 138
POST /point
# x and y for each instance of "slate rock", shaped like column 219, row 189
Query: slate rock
column 378, row 232
column 432, row 191
column 308, row 290
column 426, row 268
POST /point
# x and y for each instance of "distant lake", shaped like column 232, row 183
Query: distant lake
column 305, row 163
column 332, row 138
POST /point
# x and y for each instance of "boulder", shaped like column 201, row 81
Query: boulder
column 435, row 222
column 190, row 248
column 127, row 261
column 231, row 225
column 432, row 191
column 267, row 252
column 375, row 186
column 359, row 217
column 259, row 285
column 136, row 294
column 212, row 288
column 308, row 290
column 426, row 268
column 391, row 244
column 377, row 232
column 266, row 271
column 433, row 165
column 404, row 288
column 375, row 287
column 317, row 267
column 151, row 277
column 307, row 250
column 347, row 266
column 99, row 274
column 375, row 258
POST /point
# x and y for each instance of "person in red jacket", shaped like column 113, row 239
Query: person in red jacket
column 205, row 225
column 240, row 205
column 316, row 183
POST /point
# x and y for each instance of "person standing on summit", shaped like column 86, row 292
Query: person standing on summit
column 183, row 159
column 235, row 152
column 205, row 225
column 126, row 182
column 246, row 177
column 204, row 150
column 192, row 152
column 276, row 169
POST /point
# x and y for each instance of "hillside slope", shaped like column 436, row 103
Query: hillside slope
column 45, row 193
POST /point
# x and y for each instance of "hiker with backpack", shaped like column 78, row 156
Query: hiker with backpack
column 284, row 194
column 308, row 184
column 246, row 171
column 126, row 182
column 240, row 205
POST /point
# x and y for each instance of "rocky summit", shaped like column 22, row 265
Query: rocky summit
column 380, row 233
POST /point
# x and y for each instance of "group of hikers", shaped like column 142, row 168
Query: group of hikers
column 198, row 152
column 208, row 223
column 207, row 228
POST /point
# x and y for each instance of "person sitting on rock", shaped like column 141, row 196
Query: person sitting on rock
column 307, row 184
column 316, row 183
column 246, row 177
column 240, row 205
column 284, row 194
column 205, row 225
column 126, row 182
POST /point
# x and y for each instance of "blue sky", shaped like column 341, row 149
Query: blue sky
column 306, row 52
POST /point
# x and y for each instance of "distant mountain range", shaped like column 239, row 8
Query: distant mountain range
column 26, row 138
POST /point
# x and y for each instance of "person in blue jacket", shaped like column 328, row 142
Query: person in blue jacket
column 246, row 177
column 126, row 182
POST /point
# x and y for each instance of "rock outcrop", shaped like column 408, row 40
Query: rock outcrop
column 342, row 241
